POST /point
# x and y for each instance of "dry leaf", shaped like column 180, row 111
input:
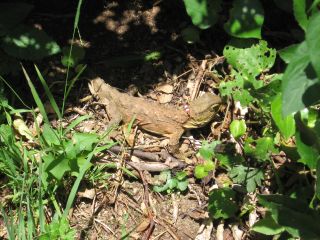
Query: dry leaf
column 143, row 225
column 20, row 126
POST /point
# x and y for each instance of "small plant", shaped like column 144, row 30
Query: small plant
column 177, row 183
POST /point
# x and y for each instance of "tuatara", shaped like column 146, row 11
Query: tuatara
column 151, row 116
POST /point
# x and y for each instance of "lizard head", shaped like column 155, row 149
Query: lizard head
column 202, row 110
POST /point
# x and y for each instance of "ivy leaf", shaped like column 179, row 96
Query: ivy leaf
column 246, row 19
column 286, row 125
column 203, row 13
column 250, row 177
column 222, row 203
column 238, row 128
column 29, row 43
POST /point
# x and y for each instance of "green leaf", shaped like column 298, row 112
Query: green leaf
column 203, row 13
column 288, row 53
column 299, row 80
column 207, row 150
column 202, row 170
column 29, row 43
column 50, row 135
column 238, row 128
column 313, row 41
column 250, row 177
column 308, row 154
column 8, row 64
column 36, row 97
column 299, row 10
column 260, row 149
column 246, row 19
column 222, row 203
column 293, row 214
column 286, row 125
column 85, row 141
column 182, row 185
column 250, row 61
column 267, row 226
column 11, row 14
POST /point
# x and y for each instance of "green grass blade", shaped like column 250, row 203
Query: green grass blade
column 75, row 123
column 74, row 80
column 36, row 97
column 48, row 93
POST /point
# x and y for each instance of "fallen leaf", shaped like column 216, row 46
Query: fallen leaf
column 165, row 88
column 20, row 126
column 88, row 193
column 165, row 98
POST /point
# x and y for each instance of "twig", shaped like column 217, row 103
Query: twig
column 198, row 80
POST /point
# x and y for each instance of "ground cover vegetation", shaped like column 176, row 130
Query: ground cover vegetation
column 256, row 173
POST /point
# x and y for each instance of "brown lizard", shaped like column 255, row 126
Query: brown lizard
column 153, row 117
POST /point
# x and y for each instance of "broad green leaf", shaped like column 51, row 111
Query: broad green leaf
column 308, row 153
column 246, row 19
column 203, row 13
column 300, row 87
column 182, row 185
column 238, row 128
column 288, row 53
column 12, row 14
column 229, row 160
column 286, row 125
column 267, row 226
column 299, row 10
column 29, row 43
column 293, row 214
column 85, row 141
column 50, row 135
column 222, row 203
column 313, row 42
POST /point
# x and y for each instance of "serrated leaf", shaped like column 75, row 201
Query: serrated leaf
column 11, row 14
column 222, row 203
column 29, row 43
column 207, row 150
column 267, row 226
column 286, row 125
column 313, row 41
column 299, row 11
column 200, row 172
column 262, row 148
column 249, row 177
column 300, row 81
column 203, row 13
column 246, row 19
column 238, row 128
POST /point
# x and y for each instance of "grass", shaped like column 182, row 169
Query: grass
column 36, row 170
